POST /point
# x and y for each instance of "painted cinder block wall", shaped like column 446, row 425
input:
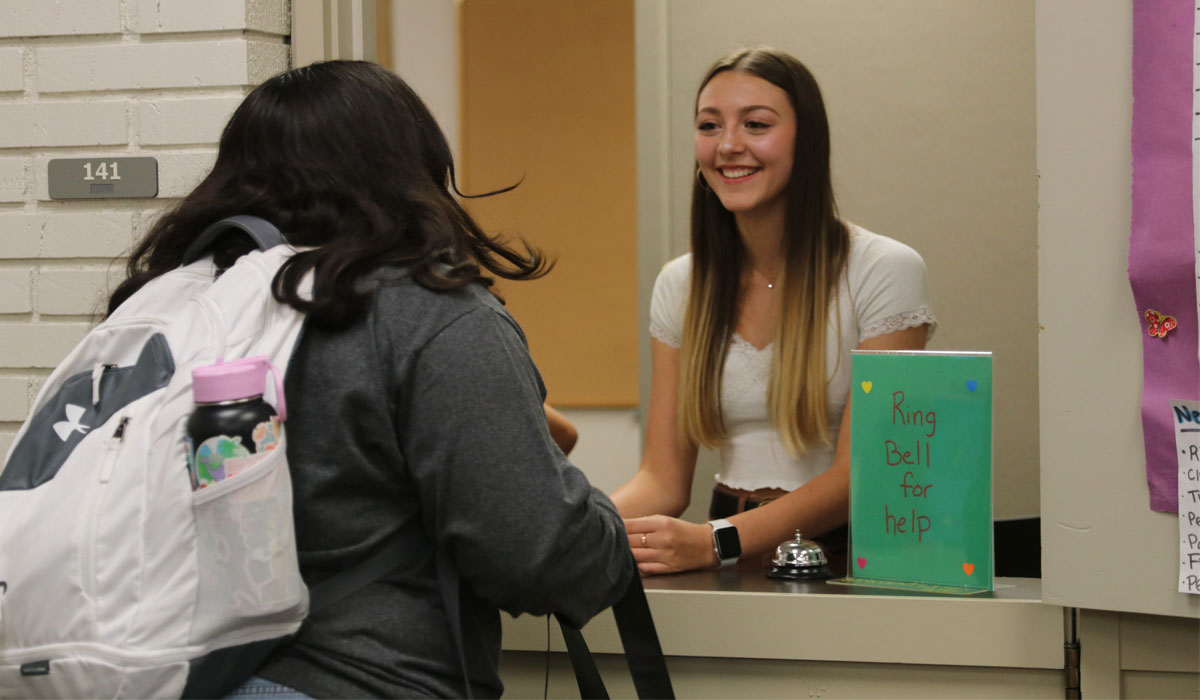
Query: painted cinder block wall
column 82, row 78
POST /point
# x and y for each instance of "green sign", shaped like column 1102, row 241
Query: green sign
column 921, row 470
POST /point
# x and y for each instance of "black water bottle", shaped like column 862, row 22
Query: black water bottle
column 232, row 427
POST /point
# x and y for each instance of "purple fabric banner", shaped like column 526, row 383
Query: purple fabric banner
column 1162, row 260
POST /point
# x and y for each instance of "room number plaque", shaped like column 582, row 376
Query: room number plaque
column 102, row 178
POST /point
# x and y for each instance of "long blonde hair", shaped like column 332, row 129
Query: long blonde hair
column 816, row 246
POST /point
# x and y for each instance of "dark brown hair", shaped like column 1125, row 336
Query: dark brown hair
column 343, row 157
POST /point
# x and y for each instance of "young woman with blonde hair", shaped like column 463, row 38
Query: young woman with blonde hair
column 752, row 330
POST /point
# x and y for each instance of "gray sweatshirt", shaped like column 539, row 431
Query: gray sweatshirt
column 427, row 414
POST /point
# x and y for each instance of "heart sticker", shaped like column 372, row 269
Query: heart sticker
column 972, row 385
column 969, row 568
column 862, row 562
column 867, row 387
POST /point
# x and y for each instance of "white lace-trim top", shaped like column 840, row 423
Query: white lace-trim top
column 883, row 291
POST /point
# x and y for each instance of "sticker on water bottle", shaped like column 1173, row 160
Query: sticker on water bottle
column 218, row 458
column 266, row 439
column 266, row 435
column 222, row 457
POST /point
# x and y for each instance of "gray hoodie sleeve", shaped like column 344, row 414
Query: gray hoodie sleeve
column 525, row 529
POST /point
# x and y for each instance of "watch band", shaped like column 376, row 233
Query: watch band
column 726, row 543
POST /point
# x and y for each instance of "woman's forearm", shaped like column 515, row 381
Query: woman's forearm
column 649, row 494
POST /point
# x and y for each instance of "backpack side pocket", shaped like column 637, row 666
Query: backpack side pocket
column 250, row 585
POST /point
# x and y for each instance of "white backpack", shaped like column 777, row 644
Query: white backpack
column 116, row 578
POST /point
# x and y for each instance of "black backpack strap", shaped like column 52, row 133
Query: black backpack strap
column 587, row 676
column 264, row 233
column 643, row 653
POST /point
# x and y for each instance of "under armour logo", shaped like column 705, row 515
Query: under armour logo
column 64, row 428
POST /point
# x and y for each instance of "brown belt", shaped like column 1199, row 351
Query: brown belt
column 727, row 501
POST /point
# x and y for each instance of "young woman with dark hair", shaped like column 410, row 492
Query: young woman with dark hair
column 752, row 330
column 413, row 400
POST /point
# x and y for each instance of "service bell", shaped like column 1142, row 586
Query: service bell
column 800, row 560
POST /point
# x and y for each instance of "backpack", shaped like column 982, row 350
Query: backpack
column 116, row 578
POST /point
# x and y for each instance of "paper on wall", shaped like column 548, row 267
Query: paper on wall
column 1186, row 417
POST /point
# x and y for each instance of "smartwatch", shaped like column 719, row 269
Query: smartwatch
column 726, row 543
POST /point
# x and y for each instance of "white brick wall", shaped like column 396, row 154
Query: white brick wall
column 12, row 181
column 14, row 398
column 99, row 234
column 264, row 60
column 85, row 123
column 38, row 345
column 269, row 16
column 12, row 75
column 75, row 291
column 184, row 121
column 21, row 235
column 183, row 171
column 182, row 64
column 15, row 290
column 35, row 18
column 86, row 235
column 79, row 79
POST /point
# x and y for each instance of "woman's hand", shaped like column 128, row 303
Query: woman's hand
column 666, row 545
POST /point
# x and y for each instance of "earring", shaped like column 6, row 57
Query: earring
column 701, row 181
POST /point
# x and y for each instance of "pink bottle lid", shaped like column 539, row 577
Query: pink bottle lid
column 237, row 379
